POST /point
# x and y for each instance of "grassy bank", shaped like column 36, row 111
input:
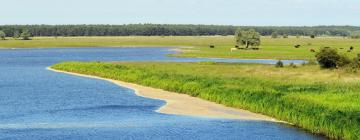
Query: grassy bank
column 321, row 101
column 281, row 48
column 115, row 41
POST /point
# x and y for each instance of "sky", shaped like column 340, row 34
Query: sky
column 218, row 12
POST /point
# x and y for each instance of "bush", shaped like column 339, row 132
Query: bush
column 328, row 57
column 279, row 64
column 312, row 36
column 355, row 64
column 343, row 61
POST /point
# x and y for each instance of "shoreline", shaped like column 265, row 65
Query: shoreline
column 182, row 104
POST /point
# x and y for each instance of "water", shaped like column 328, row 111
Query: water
column 39, row 104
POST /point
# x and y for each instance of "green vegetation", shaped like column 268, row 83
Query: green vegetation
column 171, row 30
column 2, row 35
column 25, row 35
column 320, row 100
column 279, row 48
column 16, row 35
column 274, row 35
column 355, row 35
column 142, row 41
column 328, row 58
column 247, row 38
column 285, row 36
column 279, row 64
column 312, row 36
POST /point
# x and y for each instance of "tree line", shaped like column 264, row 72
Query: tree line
column 171, row 30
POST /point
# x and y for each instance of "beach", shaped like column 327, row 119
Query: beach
column 182, row 104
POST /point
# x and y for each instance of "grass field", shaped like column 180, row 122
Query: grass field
column 270, row 49
column 321, row 101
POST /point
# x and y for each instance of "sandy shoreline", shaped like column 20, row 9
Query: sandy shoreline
column 182, row 104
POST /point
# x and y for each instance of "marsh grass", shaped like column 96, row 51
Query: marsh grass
column 307, row 96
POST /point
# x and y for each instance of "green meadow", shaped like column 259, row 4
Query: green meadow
column 280, row 48
column 321, row 101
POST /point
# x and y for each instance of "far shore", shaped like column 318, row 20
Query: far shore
column 182, row 104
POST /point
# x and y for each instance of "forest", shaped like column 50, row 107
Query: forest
column 172, row 30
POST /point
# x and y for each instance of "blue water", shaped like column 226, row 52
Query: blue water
column 39, row 104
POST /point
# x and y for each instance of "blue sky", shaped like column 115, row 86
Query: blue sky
column 229, row 12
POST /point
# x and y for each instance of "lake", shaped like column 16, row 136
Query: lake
column 36, row 103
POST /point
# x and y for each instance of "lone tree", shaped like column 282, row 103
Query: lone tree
column 247, row 38
column 2, row 35
column 25, row 35
column 274, row 35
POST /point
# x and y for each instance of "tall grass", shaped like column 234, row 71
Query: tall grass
column 321, row 106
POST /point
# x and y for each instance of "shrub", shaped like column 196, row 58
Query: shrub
column 343, row 61
column 312, row 36
column 328, row 57
column 356, row 62
column 279, row 64
column 212, row 46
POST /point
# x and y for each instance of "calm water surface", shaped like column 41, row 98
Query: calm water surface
column 39, row 104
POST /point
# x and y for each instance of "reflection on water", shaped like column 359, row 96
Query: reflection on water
column 40, row 104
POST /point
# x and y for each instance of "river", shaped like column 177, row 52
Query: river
column 36, row 103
